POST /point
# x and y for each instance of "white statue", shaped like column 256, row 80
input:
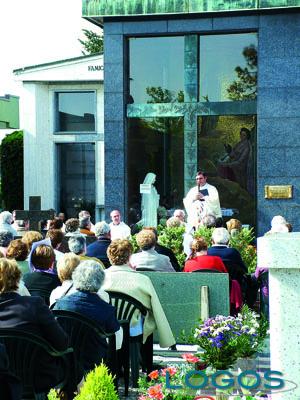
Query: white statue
column 150, row 202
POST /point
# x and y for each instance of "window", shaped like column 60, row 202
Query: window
column 155, row 145
column 228, row 67
column 156, row 69
column 75, row 111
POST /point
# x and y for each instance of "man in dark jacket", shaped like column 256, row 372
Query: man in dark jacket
column 220, row 239
column 99, row 247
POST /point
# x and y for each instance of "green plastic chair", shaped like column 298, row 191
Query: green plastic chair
column 24, row 349
column 126, row 306
column 81, row 331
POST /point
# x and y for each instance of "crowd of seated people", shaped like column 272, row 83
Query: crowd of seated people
column 65, row 272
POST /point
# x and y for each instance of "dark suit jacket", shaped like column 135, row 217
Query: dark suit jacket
column 32, row 315
column 92, row 306
column 233, row 262
column 228, row 254
column 38, row 282
column 98, row 249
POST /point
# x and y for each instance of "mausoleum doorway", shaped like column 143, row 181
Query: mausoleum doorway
column 76, row 178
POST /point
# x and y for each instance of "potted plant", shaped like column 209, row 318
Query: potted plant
column 225, row 339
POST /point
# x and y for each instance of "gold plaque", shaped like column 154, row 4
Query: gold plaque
column 278, row 191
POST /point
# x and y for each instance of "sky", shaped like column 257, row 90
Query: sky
column 38, row 31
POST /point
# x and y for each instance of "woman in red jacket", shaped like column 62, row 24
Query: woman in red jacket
column 200, row 260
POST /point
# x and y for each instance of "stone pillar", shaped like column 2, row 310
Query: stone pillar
column 281, row 254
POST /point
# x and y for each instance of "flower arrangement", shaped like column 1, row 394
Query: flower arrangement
column 225, row 339
column 170, row 383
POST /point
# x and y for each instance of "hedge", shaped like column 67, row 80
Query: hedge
column 11, row 160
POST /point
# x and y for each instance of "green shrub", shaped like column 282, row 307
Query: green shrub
column 11, row 159
column 242, row 241
column 98, row 385
column 205, row 233
column 173, row 239
column 134, row 243
column 53, row 395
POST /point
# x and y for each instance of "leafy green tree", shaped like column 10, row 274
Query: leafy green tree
column 11, row 159
column 160, row 95
column 93, row 43
column 245, row 86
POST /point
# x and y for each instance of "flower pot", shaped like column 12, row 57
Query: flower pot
column 247, row 363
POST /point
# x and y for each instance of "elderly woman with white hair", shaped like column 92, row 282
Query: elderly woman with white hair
column 65, row 267
column 77, row 245
column 88, row 278
column 278, row 225
column 6, row 220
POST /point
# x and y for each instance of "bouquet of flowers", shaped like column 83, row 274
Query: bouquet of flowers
column 225, row 339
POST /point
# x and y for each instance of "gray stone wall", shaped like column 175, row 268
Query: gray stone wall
column 278, row 112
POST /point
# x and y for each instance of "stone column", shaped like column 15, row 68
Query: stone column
column 281, row 254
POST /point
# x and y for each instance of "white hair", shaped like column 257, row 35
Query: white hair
column 77, row 243
column 220, row 236
column 179, row 211
column 88, row 276
column 101, row 228
column 278, row 224
column 6, row 217
column 278, row 220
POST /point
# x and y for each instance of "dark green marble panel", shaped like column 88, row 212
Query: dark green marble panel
column 179, row 294
column 137, row 7
column 191, row 109
column 189, row 175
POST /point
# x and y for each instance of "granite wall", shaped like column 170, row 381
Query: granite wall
column 278, row 134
